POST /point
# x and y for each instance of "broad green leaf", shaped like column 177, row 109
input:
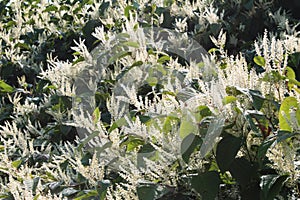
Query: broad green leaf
column 127, row 10
column 291, row 76
column 259, row 60
column 10, row 24
column 69, row 191
column 86, row 140
column 207, row 184
column 117, row 124
column 253, row 114
column 152, row 81
column 103, row 184
column 51, row 8
column 243, row 171
column 167, row 125
column 263, row 148
column 16, row 163
column 285, row 118
column 100, row 149
column 213, row 132
column 146, row 151
column 137, row 63
column 284, row 135
column 96, row 115
column 188, row 146
column 118, row 56
column 204, row 111
column 163, row 59
column 132, row 44
column 55, row 185
column 186, row 127
column 4, row 87
column 132, row 142
column 226, row 151
column 146, row 191
column 289, row 72
column 228, row 99
column 271, row 185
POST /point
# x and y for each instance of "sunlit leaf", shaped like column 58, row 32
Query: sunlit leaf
column 285, row 118
column 4, row 87
column 259, row 60
column 229, row 99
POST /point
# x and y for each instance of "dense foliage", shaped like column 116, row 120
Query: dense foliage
column 226, row 127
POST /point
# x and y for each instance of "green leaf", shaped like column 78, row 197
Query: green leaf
column 146, row 151
column 16, row 163
column 291, row 76
column 204, row 111
column 96, row 115
column 289, row 72
column 163, row 59
column 228, row 99
column 152, row 81
column 103, row 184
column 243, row 171
column 284, row 135
column 55, row 185
column 127, row 10
column 86, row 140
column 259, row 60
column 186, row 127
column 271, row 185
column 117, row 124
column 169, row 120
column 118, row 56
column 10, row 24
column 132, row 44
column 132, row 142
column 78, row 60
column 87, row 195
column 23, row 46
column 36, row 197
column 213, row 132
column 227, row 150
column 137, row 63
column 285, row 114
column 263, row 148
column 51, row 8
column 188, row 146
column 104, row 6
column 249, row 115
column 213, row 50
column 4, row 87
column 255, row 95
column 146, row 191
column 207, row 184
column 69, row 191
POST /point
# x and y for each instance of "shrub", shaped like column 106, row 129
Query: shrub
column 92, row 108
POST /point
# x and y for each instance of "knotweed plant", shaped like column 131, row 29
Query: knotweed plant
column 119, row 100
